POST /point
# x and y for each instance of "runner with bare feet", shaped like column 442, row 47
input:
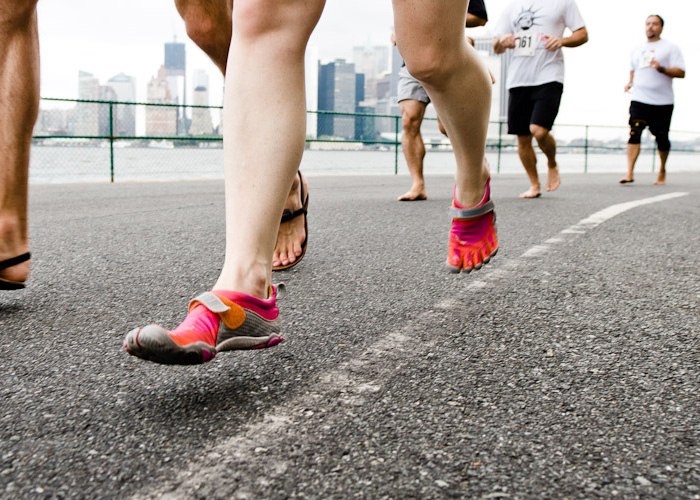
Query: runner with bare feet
column 413, row 100
column 209, row 25
column 19, row 107
column 653, row 67
column 534, row 31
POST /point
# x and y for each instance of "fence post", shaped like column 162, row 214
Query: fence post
column 500, row 145
column 396, row 145
column 585, row 161
column 111, row 142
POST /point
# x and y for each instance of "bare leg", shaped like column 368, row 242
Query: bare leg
column 412, row 113
column 19, row 106
column 209, row 25
column 632, row 155
column 661, row 178
column 528, row 158
column 549, row 147
column 265, row 78
column 449, row 69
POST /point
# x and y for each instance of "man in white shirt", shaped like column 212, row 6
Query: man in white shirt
column 653, row 67
column 534, row 31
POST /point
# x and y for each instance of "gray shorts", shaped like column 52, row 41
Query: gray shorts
column 410, row 88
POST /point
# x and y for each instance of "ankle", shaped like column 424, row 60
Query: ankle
column 251, row 279
column 13, row 236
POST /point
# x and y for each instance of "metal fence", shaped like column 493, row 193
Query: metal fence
column 92, row 140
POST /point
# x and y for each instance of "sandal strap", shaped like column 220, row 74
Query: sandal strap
column 288, row 215
column 210, row 301
column 15, row 260
column 471, row 213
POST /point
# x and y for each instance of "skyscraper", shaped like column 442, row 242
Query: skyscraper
column 124, row 88
column 311, row 74
column 201, row 117
column 160, row 120
column 87, row 114
column 336, row 92
column 175, row 72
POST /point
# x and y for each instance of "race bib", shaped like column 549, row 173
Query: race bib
column 526, row 44
column 646, row 58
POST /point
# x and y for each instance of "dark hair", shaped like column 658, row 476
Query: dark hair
column 660, row 18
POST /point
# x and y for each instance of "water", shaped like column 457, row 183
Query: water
column 55, row 164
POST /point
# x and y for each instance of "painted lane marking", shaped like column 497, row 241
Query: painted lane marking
column 348, row 385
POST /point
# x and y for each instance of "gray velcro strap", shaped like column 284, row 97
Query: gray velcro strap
column 211, row 302
column 470, row 213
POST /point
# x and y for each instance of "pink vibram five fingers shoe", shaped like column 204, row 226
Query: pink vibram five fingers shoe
column 473, row 239
column 217, row 321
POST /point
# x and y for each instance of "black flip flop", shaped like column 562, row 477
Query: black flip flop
column 288, row 215
column 5, row 264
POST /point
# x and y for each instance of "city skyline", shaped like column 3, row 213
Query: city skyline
column 129, row 38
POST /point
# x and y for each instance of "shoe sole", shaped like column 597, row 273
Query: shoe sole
column 154, row 344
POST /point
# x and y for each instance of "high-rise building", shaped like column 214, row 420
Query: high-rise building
column 87, row 114
column 336, row 92
column 311, row 74
column 176, row 71
column 201, row 117
column 160, row 120
column 107, row 94
column 124, row 88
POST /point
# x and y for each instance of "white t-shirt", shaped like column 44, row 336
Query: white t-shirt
column 533, row 21
column 649, row 86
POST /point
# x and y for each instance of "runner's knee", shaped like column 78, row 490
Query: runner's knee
column 411, row 122
column 293, row 21
column 636, row 129
column 663, row 142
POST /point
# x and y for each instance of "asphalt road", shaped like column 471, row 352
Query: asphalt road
column 567, row 368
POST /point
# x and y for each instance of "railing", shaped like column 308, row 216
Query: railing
column 112, row 122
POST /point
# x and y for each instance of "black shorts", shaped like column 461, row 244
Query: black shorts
column 658, row 118
column 538, row 105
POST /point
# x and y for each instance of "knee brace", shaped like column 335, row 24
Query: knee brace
column 636, row 129
column 662, row 142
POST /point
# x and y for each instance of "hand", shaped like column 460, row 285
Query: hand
column 508, row 41
column 628, row 87
column 654, row 64
column 553, row 43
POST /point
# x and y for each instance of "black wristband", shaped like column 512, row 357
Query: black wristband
column 661, row 70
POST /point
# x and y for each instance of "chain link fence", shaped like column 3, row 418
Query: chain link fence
column 98, row 141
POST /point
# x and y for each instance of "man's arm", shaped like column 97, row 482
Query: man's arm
column 672, row 72
column 629, row 84
column 475, row 21
column 577, row 38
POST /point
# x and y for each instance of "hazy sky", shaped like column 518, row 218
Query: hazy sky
column 106, row 38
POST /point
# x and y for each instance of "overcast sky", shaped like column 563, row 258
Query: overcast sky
column 106, row 38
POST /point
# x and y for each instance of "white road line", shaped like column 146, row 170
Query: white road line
column 347, row 383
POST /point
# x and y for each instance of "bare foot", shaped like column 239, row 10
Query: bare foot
column 291, row 233
column 415, row 194
column 9, row 248
column 533, row 192
column 626, row 179
column 553, row 178
column 661, row 179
